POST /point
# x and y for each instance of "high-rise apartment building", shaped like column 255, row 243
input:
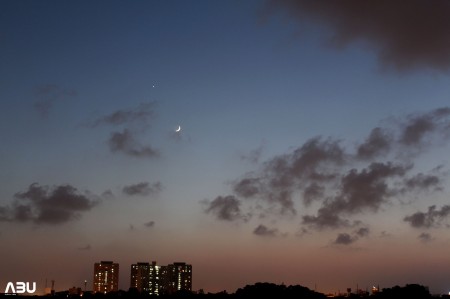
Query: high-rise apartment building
column 140, row 277
column 177, row 276
column 156, row 280
column 106, row 277
column 146, row 277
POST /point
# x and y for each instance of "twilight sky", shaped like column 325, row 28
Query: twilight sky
column 314, row 142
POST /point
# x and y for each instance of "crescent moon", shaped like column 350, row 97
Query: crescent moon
column 178, row 129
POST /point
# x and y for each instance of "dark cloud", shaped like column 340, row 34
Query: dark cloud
column 419, row 129
column 143, row 189
column 284, row 174
column 342, row 183
column 407, row 136
column 262, row 230
column 347, row 239
column 368, row 188
column 359, row 191
column 423, row 182
column 48, row 94
column 142, row 114
column 362, row 232
column 248, row 187
column 405, row 37
column 416, row 130
column 344, row 239
column 45, row 205
column 378, row 143
column 125, row 142
column 326, row 218
column 311, row 161
column 429, row 219
column 312, row 192
column 225, row 208
column 313, row 158
column 149, row 224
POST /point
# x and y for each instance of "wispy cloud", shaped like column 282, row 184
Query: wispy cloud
column 142, row 189
column 254, row 155
column 225, row 208
column 125, row 142
column 133, row 121
column 142, row 114
column 49, row 94
column 149, row 224
column 425, row 237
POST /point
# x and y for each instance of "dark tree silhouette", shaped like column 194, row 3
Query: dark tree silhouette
column 270, row 290
column 410, row 291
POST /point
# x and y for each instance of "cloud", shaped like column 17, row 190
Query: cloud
column 337, row 183
column 141, row 114
column 359, row 191
column 48, row 94
column 431, row 218
column 247, row 187
column 133, row 121
column 125, row 142
column 143, row 189
column 423, row 182
column 347, row 239
column 225, row 208
column 326, row 218
column 283, row 174
column 312, row 192
column 366, row 188
column 403, row 37
column 344, row 239
column 419, row 129
column 45, row 205
column 262, row 230
column 149, row 224
column 362, row 232
column 378, row 143
column 407, row 136
column 313, row 158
